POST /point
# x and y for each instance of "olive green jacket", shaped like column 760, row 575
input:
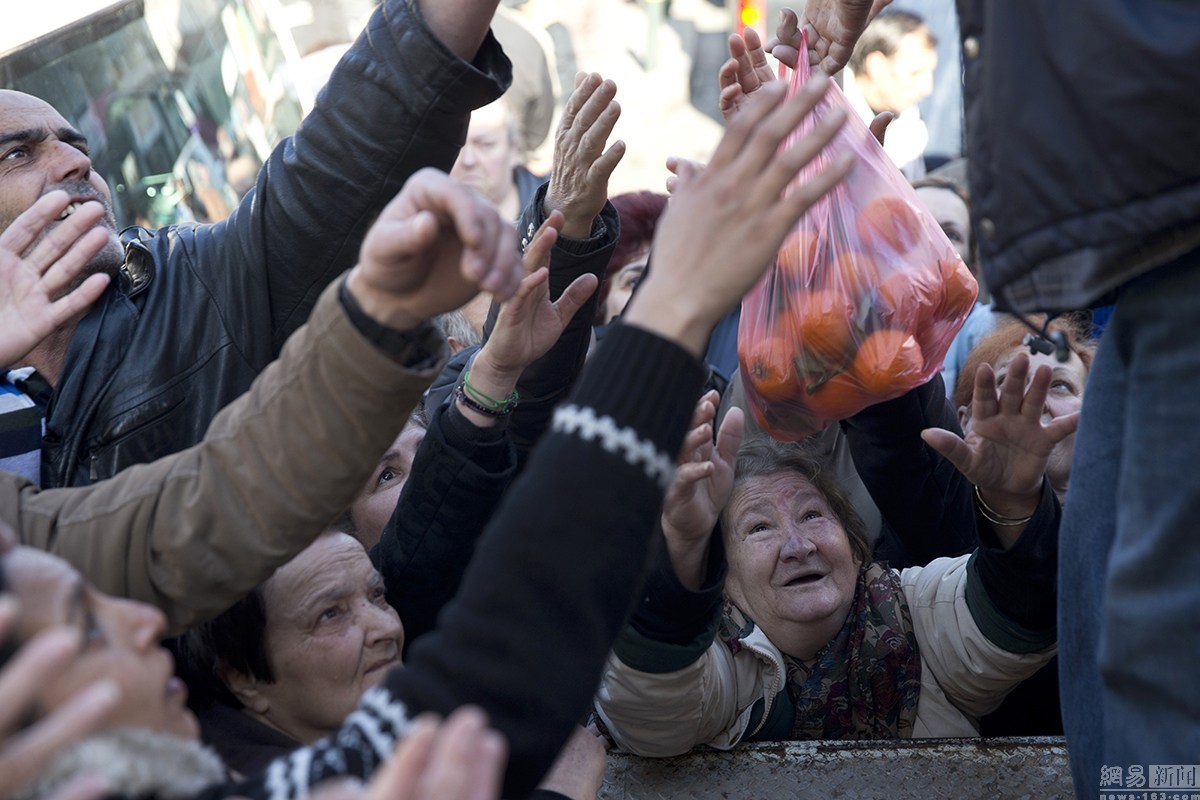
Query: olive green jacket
column 193, row 532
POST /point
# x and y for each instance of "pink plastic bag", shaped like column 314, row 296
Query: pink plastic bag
column 865, row 296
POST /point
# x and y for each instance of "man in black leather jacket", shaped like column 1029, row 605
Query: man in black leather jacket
column 196, row 311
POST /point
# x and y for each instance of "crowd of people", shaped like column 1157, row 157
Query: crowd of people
column 421, row 476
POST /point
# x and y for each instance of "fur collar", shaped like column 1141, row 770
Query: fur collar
column 137, row 763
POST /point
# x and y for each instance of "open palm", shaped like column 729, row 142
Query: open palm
column 37, row 295
column 1007, row 448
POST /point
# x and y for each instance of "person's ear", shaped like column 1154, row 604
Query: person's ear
column 873, row 64
column 245, row 689
column 454, row 344
column 964, row 418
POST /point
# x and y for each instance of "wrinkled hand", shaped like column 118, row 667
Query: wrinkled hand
column 833, row 28
column 24, row 754
column 1006, row 450
column 460, row 759
column 529, row 324
column 579, row 769
column 701, row 488
column 431, row 250
column 34, row 296
column 579, row 179
column 723, row 225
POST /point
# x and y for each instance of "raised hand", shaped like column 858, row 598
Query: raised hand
column 1005, row 452
column 745, row 71
column 431, row 250
column 39, row 270
column 701, row 488
column 529, row 324
column 724, row 224
column 832, row 27
column 579, row 179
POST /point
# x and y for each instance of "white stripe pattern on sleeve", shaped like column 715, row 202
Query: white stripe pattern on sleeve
column 623, row 441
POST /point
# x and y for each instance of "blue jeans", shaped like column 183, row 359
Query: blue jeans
column 1129, row 560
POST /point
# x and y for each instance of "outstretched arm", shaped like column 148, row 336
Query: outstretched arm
column 466, row 461
column 192, row 532
column 1005, row 453
column 563, row 558
column 398, row 101
column 1012, row 575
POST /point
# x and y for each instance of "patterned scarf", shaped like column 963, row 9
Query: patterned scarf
column 865, row 683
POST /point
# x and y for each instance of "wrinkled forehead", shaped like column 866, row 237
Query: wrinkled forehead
column 19, row 111
column 779, row 489
column 334, row 559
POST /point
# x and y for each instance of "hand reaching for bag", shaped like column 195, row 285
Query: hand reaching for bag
column 723, row 225
column 1006, row 450
column 529, row 324
column 702, row 485
column 747, row 70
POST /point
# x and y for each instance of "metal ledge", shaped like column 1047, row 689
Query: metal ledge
column 962, row 769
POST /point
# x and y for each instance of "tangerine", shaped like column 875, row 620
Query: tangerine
column 887, row 363
column 908, row 298
column 797, row 257
column 935, row 338
column 961, row 289
column 853, row 272
column 768, row 368
column 824, row 324
column 837, row 398
column 890, row 222
column 788, row 422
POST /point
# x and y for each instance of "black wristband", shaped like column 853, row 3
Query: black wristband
column 420, row 348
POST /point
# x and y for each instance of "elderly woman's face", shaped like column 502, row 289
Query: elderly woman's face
column 790, row 561
column 120, row 643
column 330, row 636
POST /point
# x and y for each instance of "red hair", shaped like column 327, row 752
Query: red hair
column 639, row 213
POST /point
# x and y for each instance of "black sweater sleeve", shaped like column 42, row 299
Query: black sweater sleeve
column 671, row 625
column 545, row 382
column 925, row 501
column 1012, row 593
column 458, row 476
column 551, row 583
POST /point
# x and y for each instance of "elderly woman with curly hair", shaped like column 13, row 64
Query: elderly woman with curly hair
column 807, row 637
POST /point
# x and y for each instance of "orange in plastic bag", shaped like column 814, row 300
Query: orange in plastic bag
column 865, row 296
